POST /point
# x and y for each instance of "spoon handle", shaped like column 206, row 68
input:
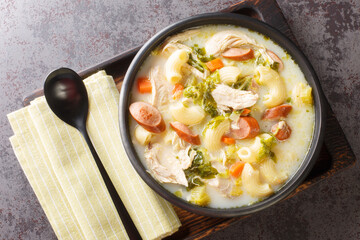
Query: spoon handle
column 124, row 215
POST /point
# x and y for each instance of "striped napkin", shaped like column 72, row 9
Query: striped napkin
column 66, row 180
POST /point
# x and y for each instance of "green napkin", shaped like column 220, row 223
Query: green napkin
column 65, row 178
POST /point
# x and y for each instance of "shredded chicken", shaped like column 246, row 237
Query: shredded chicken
column 218, row 166
column 173, row 46
column 175, row 141
column 160, row 93
column 227, row 39
column 190, row 70
column 164, row 166
column 223, row 185
column 228, row 97
column 174, row 42
column 185, row 159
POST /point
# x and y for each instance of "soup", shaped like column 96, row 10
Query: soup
column 222, row 116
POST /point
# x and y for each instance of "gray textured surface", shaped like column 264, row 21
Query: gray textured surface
column 36, row 37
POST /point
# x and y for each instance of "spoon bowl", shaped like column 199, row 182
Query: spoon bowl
column 67, row 97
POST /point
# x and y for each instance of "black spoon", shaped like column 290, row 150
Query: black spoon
column 67, row 97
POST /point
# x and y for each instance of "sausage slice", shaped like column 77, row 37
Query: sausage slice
column 276, row 59
column 185, row 133
column 246, row 127
column 239, row 54
column 147, row 116
column 281, row 130
column 277, row 112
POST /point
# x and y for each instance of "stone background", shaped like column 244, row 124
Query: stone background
column 39, row 36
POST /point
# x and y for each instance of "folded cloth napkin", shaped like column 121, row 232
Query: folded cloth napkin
column 66, row 180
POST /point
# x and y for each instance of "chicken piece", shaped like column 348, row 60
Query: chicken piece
column 164, row 166
column 160, row 94
column 222, row 185
column 173, row 46
column 175, row 141
column 228, row 97
column 185, row 158
column 190, row 70
column 174, row 42
column 227, row 39
column 218, row 166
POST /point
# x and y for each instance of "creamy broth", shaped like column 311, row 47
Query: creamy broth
column 286, row 155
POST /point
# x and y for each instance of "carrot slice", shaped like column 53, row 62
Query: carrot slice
column 245, row 112
column 177, row 91
column 236, row 169
column 228, row 140
column 144, row 85
column 215, row 64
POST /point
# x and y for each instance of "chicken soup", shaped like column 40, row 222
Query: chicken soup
column 221, row 116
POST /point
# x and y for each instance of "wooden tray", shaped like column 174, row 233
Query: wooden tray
column 335, row 155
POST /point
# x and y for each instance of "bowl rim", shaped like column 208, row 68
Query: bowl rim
column 280, row 39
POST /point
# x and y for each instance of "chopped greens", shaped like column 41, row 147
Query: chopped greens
column 199, row 169
column 201, row 93
column 275, row 66
column 196, row 64
column 201, row 54
column 198, row 58
column 267, row 141
column 242, row 83
column 260, row 60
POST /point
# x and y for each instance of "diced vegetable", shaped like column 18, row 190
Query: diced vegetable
column 245, row 112
column 236, row 169
column 267, row 141
column 144, row 85
column 215, row 64
column 231, row 154
column 302, row 94
column 199, row 196
column 178, row 193
column 177, row 91
column 228, row 140
column 236, row 190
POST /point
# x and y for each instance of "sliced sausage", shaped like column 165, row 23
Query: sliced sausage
column 239, row 54
column 147, row 116
column 281, row 130
column 185, row 133
column 246, row 127
column 277, row 112
column 276, row 59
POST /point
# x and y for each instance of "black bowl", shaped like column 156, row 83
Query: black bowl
column 280, row 39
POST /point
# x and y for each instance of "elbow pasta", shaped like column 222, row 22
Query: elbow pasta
column 229, row 74
column 252, row 184
column 142, row 136
column 187, row 115
column 249, row 154
column 270, row 174
column 277, row 89
column 212, row 136
column 173, row 65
